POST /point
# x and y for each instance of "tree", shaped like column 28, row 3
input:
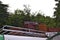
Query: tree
column 39, row 18
column 17, row 18
column 50, row 22
column 57, row 14
column 27, row 11
column 3, row 14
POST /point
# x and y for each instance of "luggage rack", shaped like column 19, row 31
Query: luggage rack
column 11, row 30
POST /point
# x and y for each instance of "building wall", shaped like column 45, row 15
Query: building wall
column 42, row 27
column 54, row 29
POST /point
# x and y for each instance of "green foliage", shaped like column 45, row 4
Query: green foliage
column 16, row 19
column 3, row 14
column 57, row 14
column 19, row 16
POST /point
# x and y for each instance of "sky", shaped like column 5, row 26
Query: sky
column 46, row 7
